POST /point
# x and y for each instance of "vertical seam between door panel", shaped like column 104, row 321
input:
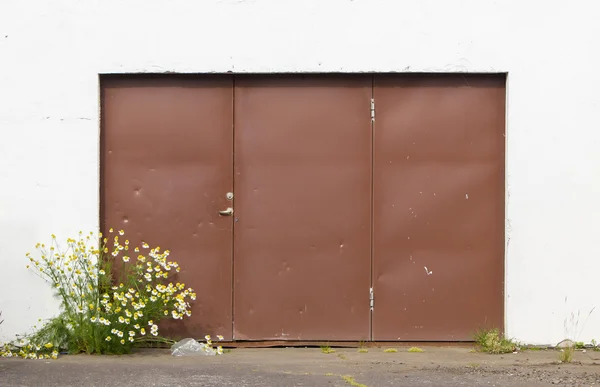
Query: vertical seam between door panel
column 372, row 207
column 233, row 205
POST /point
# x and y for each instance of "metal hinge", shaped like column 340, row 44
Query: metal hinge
column 372, row 109
column 371, row 298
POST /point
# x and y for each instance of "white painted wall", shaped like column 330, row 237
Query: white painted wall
column 51, row 53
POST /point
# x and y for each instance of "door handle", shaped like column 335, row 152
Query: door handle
column 227, row 212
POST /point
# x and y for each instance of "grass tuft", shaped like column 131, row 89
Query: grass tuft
column 326, row 349
column 415, row 349
column 350, row 380
column 491, row 341
column 566, row 354
column 534, row 348
column 390, row 350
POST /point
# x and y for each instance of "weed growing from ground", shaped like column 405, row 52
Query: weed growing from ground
column 572, row 326
column 566, row 354
column 415, row 349
column 572, row 333
column 491, row 341
column 533, row 348
column 350, row 380
column 99, row 313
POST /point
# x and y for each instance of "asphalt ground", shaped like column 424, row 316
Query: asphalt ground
column 307, row 367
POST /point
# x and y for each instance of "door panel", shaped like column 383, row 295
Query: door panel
column 303, row 193
column 166, row 168
column 438, row 254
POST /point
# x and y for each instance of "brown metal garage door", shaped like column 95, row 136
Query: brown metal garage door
column 327, row 203
column 438, row 253
column 303, row 213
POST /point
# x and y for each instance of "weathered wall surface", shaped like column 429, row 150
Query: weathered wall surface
column 51, row 53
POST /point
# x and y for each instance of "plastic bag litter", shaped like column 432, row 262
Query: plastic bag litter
column 190, row 347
